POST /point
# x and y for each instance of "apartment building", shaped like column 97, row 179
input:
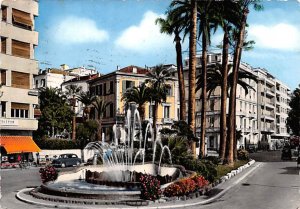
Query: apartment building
column 17, row 68
column 111, row 88
column 260, row 115
column 273, row 99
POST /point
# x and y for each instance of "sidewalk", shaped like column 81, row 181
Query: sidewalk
column 214, row 194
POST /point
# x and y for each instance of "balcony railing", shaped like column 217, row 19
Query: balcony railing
column 167, row 120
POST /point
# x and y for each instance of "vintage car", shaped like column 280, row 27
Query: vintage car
column 66, row 160
column 286, row 153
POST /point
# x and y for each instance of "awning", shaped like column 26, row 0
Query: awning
column 18, row 144
column 21, row 17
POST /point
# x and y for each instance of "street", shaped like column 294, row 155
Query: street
column 273, row 185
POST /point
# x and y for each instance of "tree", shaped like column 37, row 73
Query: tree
column 139, row 95
column 100, row 106
column 293, row 120
column 85, row 133
column 157, row 78
column 86, row 98
column 55, row 112
column 173, row 25
column 239, row 43
column 73, row 91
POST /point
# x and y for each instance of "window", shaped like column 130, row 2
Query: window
column 211, row 121
column 100, row 90
column 126, row 85
column 241, row 106
column 211, row 141
column 20, row 49
column 212, row 104
column 111, row 110
column 21, row 19
column 104, row 89
column 168, row 90
column 37, row 84
column 19, row 110
column 3, row 45
column 166, row 111
column 4, row 13
column 111, row 87
column 43, row 82
column 3, row 109
column 20, row 80
column 3, row 77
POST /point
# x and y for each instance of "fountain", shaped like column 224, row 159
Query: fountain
column 117, row 179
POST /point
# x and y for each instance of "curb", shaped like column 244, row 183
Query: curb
column 207, row 201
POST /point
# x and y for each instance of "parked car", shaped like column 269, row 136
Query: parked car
column 286, row 153
column 251, row 148
column 66, row 160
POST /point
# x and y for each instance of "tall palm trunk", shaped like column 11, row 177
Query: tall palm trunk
column 180, row 77
column 155, row 111
column 192, row 72
column 99, row 131
column 232, row 104
column 74, row 121
column 204, row 92
column 223, row 122
column 141, row 109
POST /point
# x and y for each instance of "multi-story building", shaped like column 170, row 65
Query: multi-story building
column 111, row 88
column 17, row 67
column 273, row 99
column 260, row 114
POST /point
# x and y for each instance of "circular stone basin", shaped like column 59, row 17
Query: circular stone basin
column 73, row 184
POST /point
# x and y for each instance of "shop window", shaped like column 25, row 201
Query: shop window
column 20, row 49
column 20, row 80
column 21, row 19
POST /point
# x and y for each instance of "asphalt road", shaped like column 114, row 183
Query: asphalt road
column 274, row 185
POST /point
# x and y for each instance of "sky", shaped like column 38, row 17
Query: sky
column 108, row 33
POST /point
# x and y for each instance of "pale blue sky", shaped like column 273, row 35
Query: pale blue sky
column 107, row 33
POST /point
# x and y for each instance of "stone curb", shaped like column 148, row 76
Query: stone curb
column 162, row 200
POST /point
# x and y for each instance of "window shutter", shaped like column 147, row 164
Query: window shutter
column 19, row 106
column 3, row 45
column 20, row 49
column 22, row 18
column 20, row 80
column 123, row 86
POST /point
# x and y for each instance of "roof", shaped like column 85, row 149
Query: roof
column 82, row 78
column 18, row 144
column 130, row 69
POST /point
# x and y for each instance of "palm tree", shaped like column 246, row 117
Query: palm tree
column 100, row 106
column 139, row 95
column 157, row 78
column 86, row 98
column 173, row 25
column 73, row 91
column 239, row 43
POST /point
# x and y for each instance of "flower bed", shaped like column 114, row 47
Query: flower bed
column 150, row 189
column 49, row 173
column 186, row 186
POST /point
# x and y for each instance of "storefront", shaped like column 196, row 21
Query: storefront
column 17, row 148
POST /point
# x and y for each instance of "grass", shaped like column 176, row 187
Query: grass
column 224, row 169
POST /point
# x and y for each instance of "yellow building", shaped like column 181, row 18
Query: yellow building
column 111, row 88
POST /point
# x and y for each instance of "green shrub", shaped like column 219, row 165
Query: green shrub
column 242, row 154
column 54, row 144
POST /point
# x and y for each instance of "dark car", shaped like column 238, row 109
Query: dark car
column 286, row 153
column 66, row 160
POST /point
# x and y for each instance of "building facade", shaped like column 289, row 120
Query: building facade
column 111, row 87
column 257, row 120
column 18, row 67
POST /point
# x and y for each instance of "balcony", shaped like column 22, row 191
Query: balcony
column 167, row 120
column 246, row 130
column 241, row 113
column 269, row 92
column 270, row 105
column 268, row 117
column 213, row 129
column 267, row 130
